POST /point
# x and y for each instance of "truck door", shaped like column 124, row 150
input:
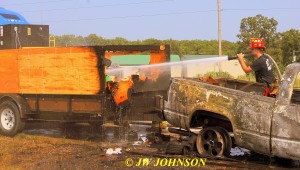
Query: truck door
column 285, row 134
column 254, row 122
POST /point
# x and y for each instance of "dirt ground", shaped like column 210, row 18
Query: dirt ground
column 48, row 148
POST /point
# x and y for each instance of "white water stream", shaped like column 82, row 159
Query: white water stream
column 128, row 70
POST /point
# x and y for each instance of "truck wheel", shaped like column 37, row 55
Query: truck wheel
column 211, row 142
column 228, row 140
column 10, row 119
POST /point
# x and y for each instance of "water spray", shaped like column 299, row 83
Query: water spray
column 132, row 69
column 202, row 61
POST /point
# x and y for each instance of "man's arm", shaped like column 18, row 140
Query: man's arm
column 245, row 67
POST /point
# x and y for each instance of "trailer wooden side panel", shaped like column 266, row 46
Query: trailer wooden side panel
column 69, row 70
column 9, row 73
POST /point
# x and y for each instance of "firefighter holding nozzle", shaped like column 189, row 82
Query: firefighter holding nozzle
column 261, row 66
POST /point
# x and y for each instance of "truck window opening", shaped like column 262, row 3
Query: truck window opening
column 10, row 16
column 296, row 92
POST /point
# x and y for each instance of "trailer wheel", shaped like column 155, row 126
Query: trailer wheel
column 10, row 119
column 211, row 142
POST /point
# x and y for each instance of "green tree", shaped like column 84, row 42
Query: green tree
column 152, row 41
column 257, row 26
column 265, row 28
column 175, row 47
column 290, row 42
column 229, row 48
column 69, row 40
column 94, row 39
column 118, row 41
column 180, row 47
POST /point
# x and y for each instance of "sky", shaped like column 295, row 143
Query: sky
column 161, row 19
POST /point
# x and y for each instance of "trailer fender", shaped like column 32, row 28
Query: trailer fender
column 20, row 102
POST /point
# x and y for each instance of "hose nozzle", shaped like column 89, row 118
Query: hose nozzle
column 234, row 57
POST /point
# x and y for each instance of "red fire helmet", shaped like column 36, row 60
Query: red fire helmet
column 257, row 43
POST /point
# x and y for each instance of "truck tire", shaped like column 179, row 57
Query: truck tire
column 228, row 141
column 10, row 119
column 211, row 142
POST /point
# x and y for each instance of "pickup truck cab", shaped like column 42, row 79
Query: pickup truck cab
column 265, row 125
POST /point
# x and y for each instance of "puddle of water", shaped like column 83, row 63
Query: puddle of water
column 134, row 134
column 46, row 132
column 237, row 151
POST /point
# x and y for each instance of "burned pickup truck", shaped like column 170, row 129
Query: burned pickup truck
column 237, row 111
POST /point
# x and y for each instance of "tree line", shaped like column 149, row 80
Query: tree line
column 191, row 47
column 281, row 45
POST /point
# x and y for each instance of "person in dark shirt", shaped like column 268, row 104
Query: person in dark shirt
column 263, row 70
column 261, row 66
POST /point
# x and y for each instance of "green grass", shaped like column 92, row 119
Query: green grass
column 216, row 75
column 247, row 77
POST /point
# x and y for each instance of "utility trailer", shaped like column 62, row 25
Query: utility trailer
column 68, row 84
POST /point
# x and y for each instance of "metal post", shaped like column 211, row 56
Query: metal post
column 294, row 56
column 52, row 41
column 220, row 32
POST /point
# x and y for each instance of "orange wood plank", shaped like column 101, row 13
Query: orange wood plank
column 69, row 70
column 9, row 82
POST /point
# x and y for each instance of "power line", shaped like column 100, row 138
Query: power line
column 166, row 14
column 33, row 3
column 259, row 9
column 101, row 6
column 133, row 16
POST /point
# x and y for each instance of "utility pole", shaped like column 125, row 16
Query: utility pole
column 220, row 32
column 295, row 56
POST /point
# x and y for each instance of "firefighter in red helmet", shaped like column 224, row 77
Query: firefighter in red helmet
column 261, row 66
